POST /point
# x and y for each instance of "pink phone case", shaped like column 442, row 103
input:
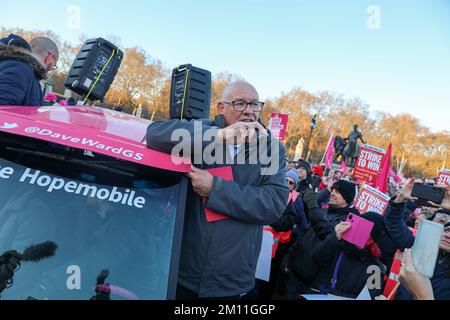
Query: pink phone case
column 360, row 231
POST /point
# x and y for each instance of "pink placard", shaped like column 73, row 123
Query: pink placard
column 278, row 125
column 360, row 231
column 226, row 173
column 89, row 139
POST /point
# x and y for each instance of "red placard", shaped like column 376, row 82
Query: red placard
column 371, row 199
column 368, row 164
column 444, row 177
column 226, row 173
column 278, row 125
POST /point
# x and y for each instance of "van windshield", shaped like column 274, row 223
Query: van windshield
column 102, row 214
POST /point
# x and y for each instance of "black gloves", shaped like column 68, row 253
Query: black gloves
column 311, row 198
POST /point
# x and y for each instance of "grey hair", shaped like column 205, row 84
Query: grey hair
column 232, row 86
column 43, row 45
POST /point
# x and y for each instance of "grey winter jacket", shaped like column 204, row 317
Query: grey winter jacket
column 219, row 259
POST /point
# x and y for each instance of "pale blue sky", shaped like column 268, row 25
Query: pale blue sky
column 277, row 45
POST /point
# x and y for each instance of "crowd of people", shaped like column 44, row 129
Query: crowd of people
column 305, row 208
column 317, row 260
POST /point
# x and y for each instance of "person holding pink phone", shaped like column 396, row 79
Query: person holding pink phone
column 359, row 232
column 345, row 268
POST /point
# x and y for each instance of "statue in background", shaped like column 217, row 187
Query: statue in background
column 349, row 147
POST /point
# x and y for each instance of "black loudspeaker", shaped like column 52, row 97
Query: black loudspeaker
column 190, row 93
column 94, row 69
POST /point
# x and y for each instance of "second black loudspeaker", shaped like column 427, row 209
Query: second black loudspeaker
column 190, row 93
column 94, row 69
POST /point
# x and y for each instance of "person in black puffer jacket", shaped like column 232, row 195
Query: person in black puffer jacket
column 346, row 269
column 299, row 262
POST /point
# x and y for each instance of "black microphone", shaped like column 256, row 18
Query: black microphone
column 36, row 253
column 10, row 260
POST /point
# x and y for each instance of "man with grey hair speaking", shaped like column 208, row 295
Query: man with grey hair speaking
column 21, row 70
column 218, row 259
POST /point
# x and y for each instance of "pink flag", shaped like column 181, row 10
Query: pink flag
column 393, row 175
column 50, row 97
column 344, row 167
column 329, row 153
column 381, row 183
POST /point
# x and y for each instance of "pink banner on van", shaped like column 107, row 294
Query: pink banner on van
column 89, row 139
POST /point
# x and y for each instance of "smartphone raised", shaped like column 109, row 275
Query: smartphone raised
column 360, row 231
column 426, row 247
column 426, row 193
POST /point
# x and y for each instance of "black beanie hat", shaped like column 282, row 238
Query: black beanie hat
column 304, row 164
column 15, row 40
column 346, row 189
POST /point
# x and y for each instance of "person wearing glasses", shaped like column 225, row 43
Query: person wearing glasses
column 22, row 66
column 219, row 258
column 294, row 217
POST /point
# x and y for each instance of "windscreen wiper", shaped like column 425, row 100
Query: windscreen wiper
column 91, row 162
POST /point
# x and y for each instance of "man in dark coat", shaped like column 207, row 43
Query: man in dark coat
column 304, row 173
column 218, row 259
column 22, row 66
column 305, row 183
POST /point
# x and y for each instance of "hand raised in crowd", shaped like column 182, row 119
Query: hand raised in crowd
column 202, row 181
column 240, row 132
column 342, row 228
column 329, row 181
column 446, row 201
column 405, row 193
column 311, row 198
column 417, row 285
